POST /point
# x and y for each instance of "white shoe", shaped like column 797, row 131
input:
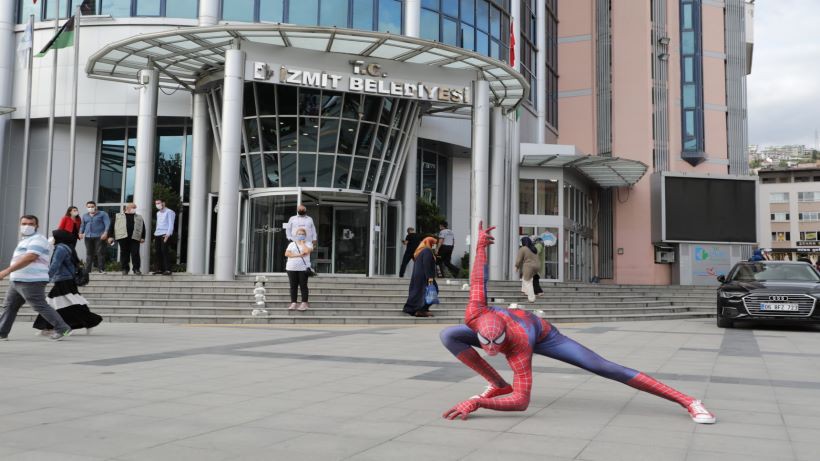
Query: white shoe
column 700, row 414
column 303, row 307
column 293, row 306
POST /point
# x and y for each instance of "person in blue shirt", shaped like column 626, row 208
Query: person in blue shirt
column 94, row 230
column 162, row 236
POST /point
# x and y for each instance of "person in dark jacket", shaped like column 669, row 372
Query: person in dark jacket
column 64, row 296
column 424, row 273
column 411, row 242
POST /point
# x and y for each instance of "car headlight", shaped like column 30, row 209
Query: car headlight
column 732, row 294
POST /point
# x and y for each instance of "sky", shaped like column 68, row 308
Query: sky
column 784, row 87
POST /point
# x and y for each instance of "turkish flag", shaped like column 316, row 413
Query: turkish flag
column 512, row 45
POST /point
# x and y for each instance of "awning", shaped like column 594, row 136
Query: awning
column 184, row 56
column 6, row 110
column 603, row 171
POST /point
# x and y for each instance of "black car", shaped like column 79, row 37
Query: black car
column 778, row 291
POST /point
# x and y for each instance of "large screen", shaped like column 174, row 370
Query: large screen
column 710, row 210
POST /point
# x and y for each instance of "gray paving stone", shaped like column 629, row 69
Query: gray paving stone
column 610, row 451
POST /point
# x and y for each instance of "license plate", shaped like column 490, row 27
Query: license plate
column 778, row 307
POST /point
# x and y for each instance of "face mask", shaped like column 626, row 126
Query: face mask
column 301, row 237
column 91, row 209
column 130, row 211
column 74, row 214
column 159, row 206
column 27, row 230
column 302, row 212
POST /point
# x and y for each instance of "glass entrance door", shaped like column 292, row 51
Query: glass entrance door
column 350, row 240
column 266, row 239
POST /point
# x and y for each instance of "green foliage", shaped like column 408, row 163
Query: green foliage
column 428, row 217
column 162, row 192
column 465, row 266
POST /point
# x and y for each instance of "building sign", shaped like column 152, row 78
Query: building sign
column 710, row 261
column 808, row 243
column 369, row 78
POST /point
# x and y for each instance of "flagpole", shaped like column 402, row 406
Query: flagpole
column 50, row 161
column 27, row 129
column 73, row 136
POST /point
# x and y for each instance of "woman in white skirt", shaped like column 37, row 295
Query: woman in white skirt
column 64, row 296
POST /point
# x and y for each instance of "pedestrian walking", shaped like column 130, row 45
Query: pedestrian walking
column 526, row 263
column 128, row 229
column 94, row 230
column 542, row 263
column 424, row 273
column 28, row 274
column 411, row 242
column 162, row 237
column 64, row 296
column 298, row 254
column 302, row 221
column 444, row 249
column 71, row 223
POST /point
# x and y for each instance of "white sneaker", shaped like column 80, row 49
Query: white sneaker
column 303, row 307
column 292, row 306
column 700, row 414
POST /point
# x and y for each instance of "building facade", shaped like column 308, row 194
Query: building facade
column 789, row 213
column 365, row 109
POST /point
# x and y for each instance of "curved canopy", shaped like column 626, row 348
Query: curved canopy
column 603, row 171
column 183, row 56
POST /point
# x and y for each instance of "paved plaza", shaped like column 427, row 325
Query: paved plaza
column 168, row 392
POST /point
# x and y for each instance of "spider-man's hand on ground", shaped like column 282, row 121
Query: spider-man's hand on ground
column 462, row 409
column 484, row 237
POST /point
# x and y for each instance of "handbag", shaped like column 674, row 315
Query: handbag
column 431, row 294
column 81, row 277
column 308, row 270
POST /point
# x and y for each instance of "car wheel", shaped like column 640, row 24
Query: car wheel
column 724, row 322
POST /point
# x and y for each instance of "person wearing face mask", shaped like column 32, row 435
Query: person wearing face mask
column 301, row 221
column 128, row 229
column 71, row 222
column 28, row 273
column 94, row 230
column 162, row 236
column 298, row 254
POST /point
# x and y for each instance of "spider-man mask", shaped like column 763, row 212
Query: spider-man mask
column 491, row 331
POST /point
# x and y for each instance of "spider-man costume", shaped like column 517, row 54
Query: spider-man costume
column 518, row 335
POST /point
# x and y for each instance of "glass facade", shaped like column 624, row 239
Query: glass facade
column 381, row 15
column 47, row 9
column 301, row 137
column 552, row 63
column 691, row 81
column 479, row 25
column 433, row 171
column 172, row 170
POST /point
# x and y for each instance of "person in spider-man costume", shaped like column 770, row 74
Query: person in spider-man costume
column 518, row 335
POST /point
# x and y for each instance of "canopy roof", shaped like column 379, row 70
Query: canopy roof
column 604, row 171
column 183, row 56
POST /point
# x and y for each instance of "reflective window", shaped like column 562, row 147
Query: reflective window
column 692, row 79
column 333, row 13
column 148, row 7
column 305, row 12
column 479, row 25
column 238, row 10
column 115, row 8
column 181, row 9
column 363, row 14
column 272, row 11
column 47, row 9
column 307, row 170
column 26, row 8
column 112, row 151
column 390, row 16
column 526, row 196
column 429, row 25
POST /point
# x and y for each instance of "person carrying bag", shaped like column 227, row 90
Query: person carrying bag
column 298, row 268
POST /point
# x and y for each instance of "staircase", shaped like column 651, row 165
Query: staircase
column 376, row 300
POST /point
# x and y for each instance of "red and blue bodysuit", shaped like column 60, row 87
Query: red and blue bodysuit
column 518, row 335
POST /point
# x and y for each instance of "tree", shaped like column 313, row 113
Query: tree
column 428, row 216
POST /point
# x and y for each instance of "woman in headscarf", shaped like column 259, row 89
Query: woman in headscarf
column 424, row 273
column 64, row 296
column 527, row 265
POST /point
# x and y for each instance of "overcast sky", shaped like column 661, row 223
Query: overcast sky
column 784, row 87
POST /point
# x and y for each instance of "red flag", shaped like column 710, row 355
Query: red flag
column 35, row 2
column 512, row 45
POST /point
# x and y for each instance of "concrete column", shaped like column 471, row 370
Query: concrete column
column 198, row 199
column 8, row 46
column 144, row 163
column 228, row 214
column 480, row 160
column 208, row 12
column 497, row 199
column 540, row 71
column 412, row 17
column 411, row 177
column 515, row 161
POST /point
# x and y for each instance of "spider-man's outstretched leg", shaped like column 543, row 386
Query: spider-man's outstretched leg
column 560, row 347
column 460, row 341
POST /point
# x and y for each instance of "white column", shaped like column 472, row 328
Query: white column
column 228, row 215
column 144, row 162
column 198, row 199
column 540, row 71
column 411, row 176
column 480, row 160
column 497, row 200
column 515, row 160
column 8, row 47
column 208, row 12
column 412, row 17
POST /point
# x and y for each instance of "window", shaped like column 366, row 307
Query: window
column 381, row 15
column 552, row 63
column 692, row 130
column 47, row 9
column 809, row 235
column 779, row 197
column 538, row 197
column 526, row 196
column 810, row 216
column 780, row 217
column 528, row 39
column 781, row 236
column 808, row 196
column 479, row 25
